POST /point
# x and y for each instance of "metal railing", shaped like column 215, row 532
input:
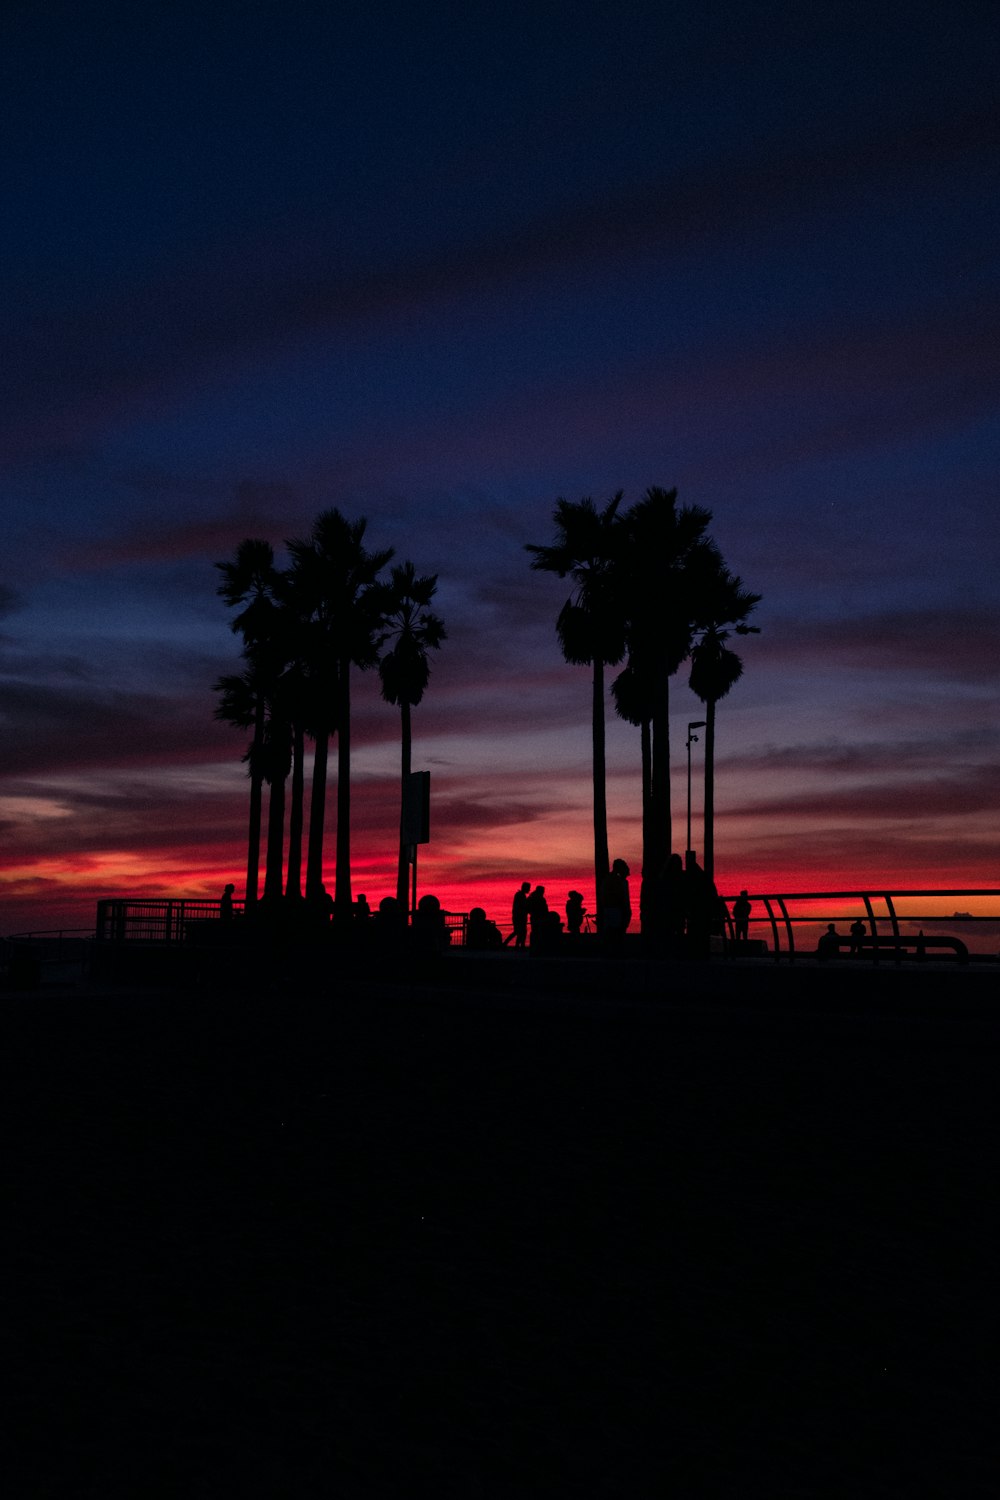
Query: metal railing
column 889, row 942
column 125, row 919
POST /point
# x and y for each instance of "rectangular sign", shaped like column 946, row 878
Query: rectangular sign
column 416, row 827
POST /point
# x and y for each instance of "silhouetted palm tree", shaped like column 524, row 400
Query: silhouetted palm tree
column 338, row 579
column 277, row 760
column 715, row 669
column 412, row 627
column 293, row 877
column 298, row 696
column 665, row 554
column 242, row 704
column 250, row 581
column 590, row 624
column 634, row 703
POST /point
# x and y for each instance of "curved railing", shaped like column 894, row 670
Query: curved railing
column 781, row 917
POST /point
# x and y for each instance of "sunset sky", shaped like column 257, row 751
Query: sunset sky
column 439, row 265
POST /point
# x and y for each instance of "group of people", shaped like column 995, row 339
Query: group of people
column 533, row 922
column 682, row 904
column 535, row 925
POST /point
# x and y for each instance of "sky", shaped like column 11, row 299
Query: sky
column 438, row 266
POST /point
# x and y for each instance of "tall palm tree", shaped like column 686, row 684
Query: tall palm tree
column 249, row 582
column 338, row 577
column 293, row 877
column 590, row 625
column 665, row 550
column 277, row 759
column 298, row 700
column 242, row 703
column 412, row 627
column 634, row 703
column 715, row 669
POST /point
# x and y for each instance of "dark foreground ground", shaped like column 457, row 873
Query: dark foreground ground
column 725, row 1236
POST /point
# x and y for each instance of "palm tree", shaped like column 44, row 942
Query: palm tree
column 298, row 703
column 242, row 704
column 715, row 669
column 413, row 629
column 277, row 760
column 665, row 550
column 293, row 877
column 260, row 700
column 590, row 625
column 338, row 578
column 634, row 703
column 250, row 581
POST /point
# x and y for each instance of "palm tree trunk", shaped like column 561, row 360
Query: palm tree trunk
column 317, row 817
column 253, row 840
column 342, row 899
column 403, row 866
column 293, row 879
column 601, row 860
column 649, row 871
column 275, row 839
column 708, row 836
column 256, row 799
column 661, row 820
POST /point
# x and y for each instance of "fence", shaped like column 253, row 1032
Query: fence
column 896, row 919
column 122, row 919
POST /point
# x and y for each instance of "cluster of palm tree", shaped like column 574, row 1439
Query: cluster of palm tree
column 651, row 591
column 305, row 628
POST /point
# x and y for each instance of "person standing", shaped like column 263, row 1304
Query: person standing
column 519, row 917
column 575, row 912
column 538, row 911
column 615, row 907
column 742, row 908
column 700, row 908
column 226, row 904
column 857, row 934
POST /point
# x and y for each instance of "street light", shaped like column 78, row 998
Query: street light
column 692, row 739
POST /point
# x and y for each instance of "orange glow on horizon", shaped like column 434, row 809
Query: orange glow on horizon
column 37, row 894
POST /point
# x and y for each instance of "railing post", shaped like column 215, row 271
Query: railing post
column 895, row 925
column 873, row 924
column 774, row 929
column 788, row 928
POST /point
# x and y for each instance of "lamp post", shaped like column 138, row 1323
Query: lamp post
column 692, row 739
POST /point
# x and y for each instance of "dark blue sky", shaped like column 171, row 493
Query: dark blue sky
column 438, row 269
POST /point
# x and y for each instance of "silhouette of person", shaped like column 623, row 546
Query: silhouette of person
column 921, row 949
column 701, row 902
column 741, row 916
column 362, row 911
column 575, row 912
column 388, row 925
column 829, row 943
column 429, row 932
column 519, row 916
column 552, row 931
column 857, row 931
column 616, row 908
column 669, row 917
column 226, row 904
column 480, row 932
column 538, row 911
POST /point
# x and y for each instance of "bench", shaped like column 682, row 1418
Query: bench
column 898, row 945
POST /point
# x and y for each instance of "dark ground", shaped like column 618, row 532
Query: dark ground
column 736, row 1241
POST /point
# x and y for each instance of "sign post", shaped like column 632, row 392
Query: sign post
column 416, row 821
